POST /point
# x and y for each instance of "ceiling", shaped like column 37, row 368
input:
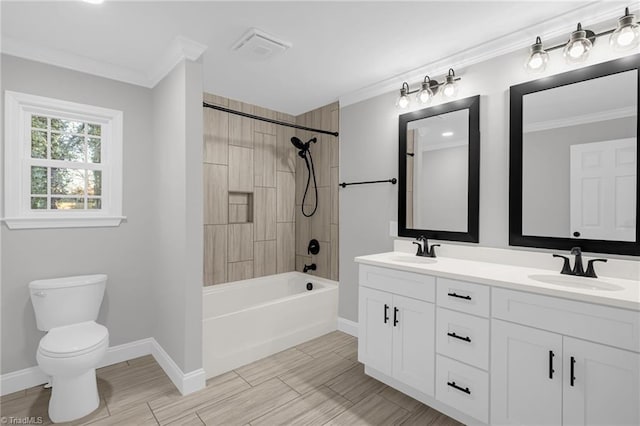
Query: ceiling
column 337, row 47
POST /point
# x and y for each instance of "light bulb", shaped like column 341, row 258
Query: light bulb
column 538, row 57
column 627, row 35
column 403, row 101
column 450, row 88
column 425, row 94
column 578, row 47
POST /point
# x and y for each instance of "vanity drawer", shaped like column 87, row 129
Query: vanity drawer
column 463, row 387
column 416, row 286
column 472, row 342
column 464, row 296
column 603, row 324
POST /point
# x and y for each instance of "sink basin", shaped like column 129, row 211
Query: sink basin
column 576, row 282
column 413, row 259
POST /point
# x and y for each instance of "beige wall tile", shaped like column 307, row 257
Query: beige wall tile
column 264, row 215
column 215, row 127
column 240, row 242
column 286, row 153
column 301, row 261
column 264, row 258
column 240, row 128
column 285, row 247
column 303, row 232
column 215, row 194
column 215, row 254
column 322, row 260
column 263, row 126
column 210, row 98
column 240, row 169
column 335, row 195
column 240, row 271
column 239, row 213
column 321, row 219
column 334, row 272
column 285, row 196
column 335, row 142
column 264, row 155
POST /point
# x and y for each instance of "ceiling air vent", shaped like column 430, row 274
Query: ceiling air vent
column 257, row 44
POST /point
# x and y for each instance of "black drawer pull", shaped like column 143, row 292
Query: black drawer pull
column 395, row 316
column 466, row 339
column 459, row 296
column 551, row 370
column 465, row 390
column 386, row 313
column 573, row 367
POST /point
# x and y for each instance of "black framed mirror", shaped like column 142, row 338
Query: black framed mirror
column 573, row 169
column 439, row 166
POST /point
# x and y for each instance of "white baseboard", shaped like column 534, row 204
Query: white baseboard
column 348, row 326
column 186, row 383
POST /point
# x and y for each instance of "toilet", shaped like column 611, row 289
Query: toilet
column 67, row 309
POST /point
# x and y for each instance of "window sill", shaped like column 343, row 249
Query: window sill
column 62, row 222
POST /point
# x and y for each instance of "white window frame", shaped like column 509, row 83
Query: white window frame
column 17, row 161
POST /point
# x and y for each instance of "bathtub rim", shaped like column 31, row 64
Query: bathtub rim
column 216, row 288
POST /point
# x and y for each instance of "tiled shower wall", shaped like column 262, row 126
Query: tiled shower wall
column 251, row 211
column 323, row 225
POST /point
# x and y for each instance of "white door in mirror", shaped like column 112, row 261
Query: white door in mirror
column 603, row 190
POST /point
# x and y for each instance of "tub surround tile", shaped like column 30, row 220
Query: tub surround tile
column 210, row 98
column 320, row 228
column 301, row 261
column 286, row 153
column 335, row 146
column 322, row 260
column 268, row 368
column 285, row 197
column 263, row 126
column 238, row 271
column 313, row 408
column 335, row 196
column 215, row 254
column 316, row 372
column 265, row 214
column 240, row 169
column 240, row 128
column 215, row 127
column 264, row 160
column 264, row 258
column 334, row 273
column 240, row 242
column 303, row 233
column 215, row 194
column 285, row 247
column 373, row 410
column 354, row 385
column 248, row 405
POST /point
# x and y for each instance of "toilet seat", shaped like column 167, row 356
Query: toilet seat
column 73, row 340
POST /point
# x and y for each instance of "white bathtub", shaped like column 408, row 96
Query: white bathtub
column 248, row 320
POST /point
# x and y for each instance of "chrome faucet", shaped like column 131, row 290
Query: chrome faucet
column 423, row 247
column 578, row 268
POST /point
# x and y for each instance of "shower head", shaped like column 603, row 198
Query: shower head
column 299, row 144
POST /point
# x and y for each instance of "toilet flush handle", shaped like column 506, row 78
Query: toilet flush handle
column 40, row 294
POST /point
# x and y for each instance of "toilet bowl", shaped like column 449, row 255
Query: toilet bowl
column 74, row 345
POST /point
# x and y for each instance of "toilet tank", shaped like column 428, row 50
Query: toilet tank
column 69, row 300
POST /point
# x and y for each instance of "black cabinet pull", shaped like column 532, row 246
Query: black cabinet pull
column 386, row 313
column 395, row 316
column 573, row 364
column 551, row 370
column 466, row 339
column 459, row 296
column 465, row 390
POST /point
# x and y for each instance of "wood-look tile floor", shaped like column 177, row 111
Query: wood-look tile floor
column 318, row 382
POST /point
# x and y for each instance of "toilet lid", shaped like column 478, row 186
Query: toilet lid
column 73, row 339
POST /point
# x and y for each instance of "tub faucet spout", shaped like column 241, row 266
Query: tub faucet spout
column 311, row 267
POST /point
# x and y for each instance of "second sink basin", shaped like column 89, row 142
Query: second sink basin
column 576, row 282
column 412, row 259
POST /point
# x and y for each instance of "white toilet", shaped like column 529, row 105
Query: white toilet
column 74, row 345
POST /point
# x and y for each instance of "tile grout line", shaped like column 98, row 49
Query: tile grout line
column 152, row 413
column 245, row 380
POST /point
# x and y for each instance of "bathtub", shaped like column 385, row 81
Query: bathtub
column 245, row 321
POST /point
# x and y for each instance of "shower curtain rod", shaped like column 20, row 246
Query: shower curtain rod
column 268, row 120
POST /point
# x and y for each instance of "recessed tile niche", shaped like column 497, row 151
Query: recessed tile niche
column 240, row 207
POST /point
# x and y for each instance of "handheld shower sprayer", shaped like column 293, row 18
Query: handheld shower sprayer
column 305, row 153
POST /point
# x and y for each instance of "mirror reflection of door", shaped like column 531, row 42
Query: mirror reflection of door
column 603, row 191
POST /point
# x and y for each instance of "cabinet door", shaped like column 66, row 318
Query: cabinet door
column 526, row 381
column 604, row 389
column 414, row 343
column 375, row 315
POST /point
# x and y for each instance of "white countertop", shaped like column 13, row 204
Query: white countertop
column 511, row 277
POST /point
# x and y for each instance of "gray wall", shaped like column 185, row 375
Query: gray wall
column 124, row 253
column 177, row 201
column 546, row 176
column 368, row 150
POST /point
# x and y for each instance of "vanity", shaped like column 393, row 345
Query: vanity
column 490, row 343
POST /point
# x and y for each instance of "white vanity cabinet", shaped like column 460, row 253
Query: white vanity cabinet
column 396, row 335
column 547, row 376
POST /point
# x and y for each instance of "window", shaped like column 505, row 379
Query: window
column 63, row 163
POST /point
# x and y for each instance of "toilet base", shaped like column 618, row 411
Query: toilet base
column 73, row 397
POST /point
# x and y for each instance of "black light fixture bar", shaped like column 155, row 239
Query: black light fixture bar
column 590, row 35
column 268, row 120
column 432, row 86
column 392, row 181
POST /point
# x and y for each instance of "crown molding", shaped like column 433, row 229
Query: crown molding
column 179, row 49
column 556, row 29
column 577, row 120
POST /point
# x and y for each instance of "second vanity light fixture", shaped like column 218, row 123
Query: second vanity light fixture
column 625, row 36
column 428, row 89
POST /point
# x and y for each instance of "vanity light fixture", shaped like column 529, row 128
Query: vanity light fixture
column 625, row 37
column 428, row 90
